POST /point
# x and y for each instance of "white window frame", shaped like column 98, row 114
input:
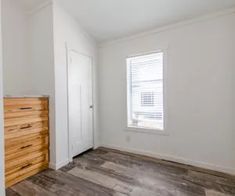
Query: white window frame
column 149, row 130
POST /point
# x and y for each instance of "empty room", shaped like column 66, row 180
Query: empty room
column 117, row 97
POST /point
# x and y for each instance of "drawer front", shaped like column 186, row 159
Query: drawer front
column 20, row 162
column 16, row 131
column 25, row 151
column 25, row 104
column 14, row 148
column 26, row 169
column 29, row 114
column 24, row 120
column 12, row 180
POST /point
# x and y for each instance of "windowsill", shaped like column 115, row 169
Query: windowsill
column 147, row 131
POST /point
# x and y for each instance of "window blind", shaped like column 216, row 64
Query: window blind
column 145, row 91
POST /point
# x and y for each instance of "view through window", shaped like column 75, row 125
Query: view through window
column 145, row 91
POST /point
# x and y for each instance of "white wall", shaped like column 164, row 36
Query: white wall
column 35, row 62
column 2, row 180
column 41, row 66
column 41, row 51
column 27, row 49
column 66, row 32
column 200, row 99
column 15, row 48
column 28, row 55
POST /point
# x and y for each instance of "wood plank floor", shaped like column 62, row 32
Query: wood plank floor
column 106, row 172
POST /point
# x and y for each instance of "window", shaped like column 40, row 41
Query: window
column 145, row 91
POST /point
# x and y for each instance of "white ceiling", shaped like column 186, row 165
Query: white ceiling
column 110, row 19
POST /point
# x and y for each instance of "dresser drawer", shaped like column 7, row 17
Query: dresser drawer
column 16, row 146
column 26, row 169
column 23, row 120
column 25, row 104
column 22, row 130
column 19, row 162
column 29, row 114
column 25, row 151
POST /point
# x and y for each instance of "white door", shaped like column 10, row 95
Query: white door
column 80, row 103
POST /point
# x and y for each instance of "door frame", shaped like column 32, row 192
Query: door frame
column 68, row 50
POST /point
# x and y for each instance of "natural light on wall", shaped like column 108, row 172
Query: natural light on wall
column 145, row 91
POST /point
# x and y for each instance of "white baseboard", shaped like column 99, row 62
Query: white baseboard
column 230, row 171
column 57, row 166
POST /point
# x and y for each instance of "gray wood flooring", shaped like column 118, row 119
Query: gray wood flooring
column 106, row 172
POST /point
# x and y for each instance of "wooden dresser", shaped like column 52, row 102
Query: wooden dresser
column 26, row 137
